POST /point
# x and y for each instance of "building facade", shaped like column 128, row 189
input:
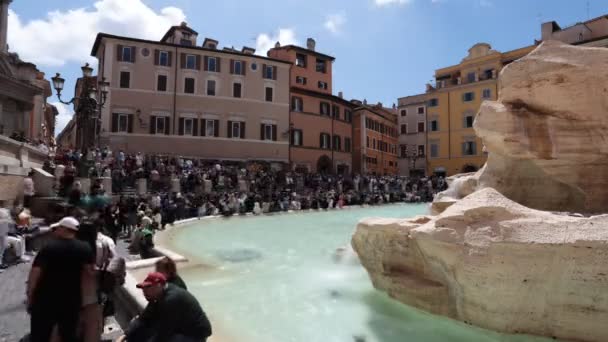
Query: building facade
column 176, row 98
column 453, row 103
column 376, row 139
column 320, row 123
column 411, row 113
column 592, row 33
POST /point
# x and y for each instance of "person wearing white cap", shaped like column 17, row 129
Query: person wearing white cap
column 58, row 278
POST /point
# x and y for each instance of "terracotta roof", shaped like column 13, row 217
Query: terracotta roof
column 299, row 48
column 330, row 97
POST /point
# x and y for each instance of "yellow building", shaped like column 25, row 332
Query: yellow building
column 452, row 146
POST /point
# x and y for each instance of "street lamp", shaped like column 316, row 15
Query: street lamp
column 87, row 102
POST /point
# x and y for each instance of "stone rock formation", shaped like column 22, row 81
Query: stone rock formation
column 547, row 133
column 488, row 258
column 494, row 263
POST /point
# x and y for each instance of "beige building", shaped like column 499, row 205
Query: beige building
column 176, row 98
column 592, row 32
column 411, row 112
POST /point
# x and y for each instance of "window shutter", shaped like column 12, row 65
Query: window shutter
column 474, row 147
column 291, row 137
column 464, row 148
column 195, row 127
column 229, row 129
column 130, row 123
column 274, row 72
column 156, row 57
column 133, row 51
column 218, row 64
column 244, row 67
column 464, row 122
column 232, row 66
column 206, row 63
column 203, row 127
column 321, row 140
column 119, row 53
column 114, row 122
column 274, row 132
column 261, row 131
column 198, row 62
column 170, row 58
column 152, row 124
column 167, row 126
column 263, row 70
column 182, row 60
column 216, row 126
column 181, row 126
column 242, row 130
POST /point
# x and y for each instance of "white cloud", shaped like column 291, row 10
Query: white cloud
column 265, row 42
column 334, row 22
column 382, row 3
column 65, row 114
column 67, row 36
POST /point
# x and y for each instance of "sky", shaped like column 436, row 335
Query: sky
column 384, row 49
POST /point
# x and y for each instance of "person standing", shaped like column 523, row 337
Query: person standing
column 56, row 280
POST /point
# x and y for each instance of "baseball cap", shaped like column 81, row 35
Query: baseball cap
column 153, row 278
column 67, row 222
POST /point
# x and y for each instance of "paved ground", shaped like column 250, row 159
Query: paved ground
column 14, row 320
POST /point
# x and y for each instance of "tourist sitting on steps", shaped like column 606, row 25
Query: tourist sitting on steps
column 167, row 267
column 172, row 315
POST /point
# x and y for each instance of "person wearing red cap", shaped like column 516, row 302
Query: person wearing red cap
column 172, row 314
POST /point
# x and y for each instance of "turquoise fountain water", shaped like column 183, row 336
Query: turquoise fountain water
column 278, row 279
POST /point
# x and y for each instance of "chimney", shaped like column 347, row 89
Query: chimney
column 247, row 50
column 310, row 44
column 340, row 95
column 379, row 104
column 394, row 105
column 429, row 88
column 365, row 102
column 277, row 45
column 547, row 30
column 183, row 24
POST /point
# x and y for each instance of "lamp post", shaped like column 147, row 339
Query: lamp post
column 88, row 106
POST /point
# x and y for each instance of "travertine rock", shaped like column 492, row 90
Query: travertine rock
column 494, row 263
column 547, row 133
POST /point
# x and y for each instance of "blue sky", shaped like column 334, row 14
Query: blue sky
column 384, row 49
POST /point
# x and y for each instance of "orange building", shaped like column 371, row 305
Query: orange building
column 320, row 123
column 375, row 139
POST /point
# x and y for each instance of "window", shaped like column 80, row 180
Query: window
column 471, row 77
column 238, row 67
column 469, row 148
column 374, row 143
column 335, row 110
column 188, row 126
column 324, row 108
column 212, row 64
column 269, row 72
column 434, row 125
column 301, row 80
column 254, row 66
column 301, row 60
column 211, row 87
column 161, row 84
column 468, row 97
column 486, row 93
column 163, row 58
column 126, row 54
column 324, row 143
column 321, row 65
column 367, row 142
column 236, row 89
column 122, row 123
column 489, row 74
column 348, row 115
column 347, row 144
column 296, row 104
column 190, row 62
column 433, row 102
column 186, row 42
column 125, row 79
column 420, row 127
column 159, row 125
column 322, row 85
column 421, row 150
column 269, row 91
column 404, row 129
column 420, row 110
column 403, row 150
column 468, row 121
column 296, row 137
column 337, row 143
column 403, row 112
column 189, row 85
column 236, row 129
column 211, row 128
column 434, row 150
column 268, row 132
